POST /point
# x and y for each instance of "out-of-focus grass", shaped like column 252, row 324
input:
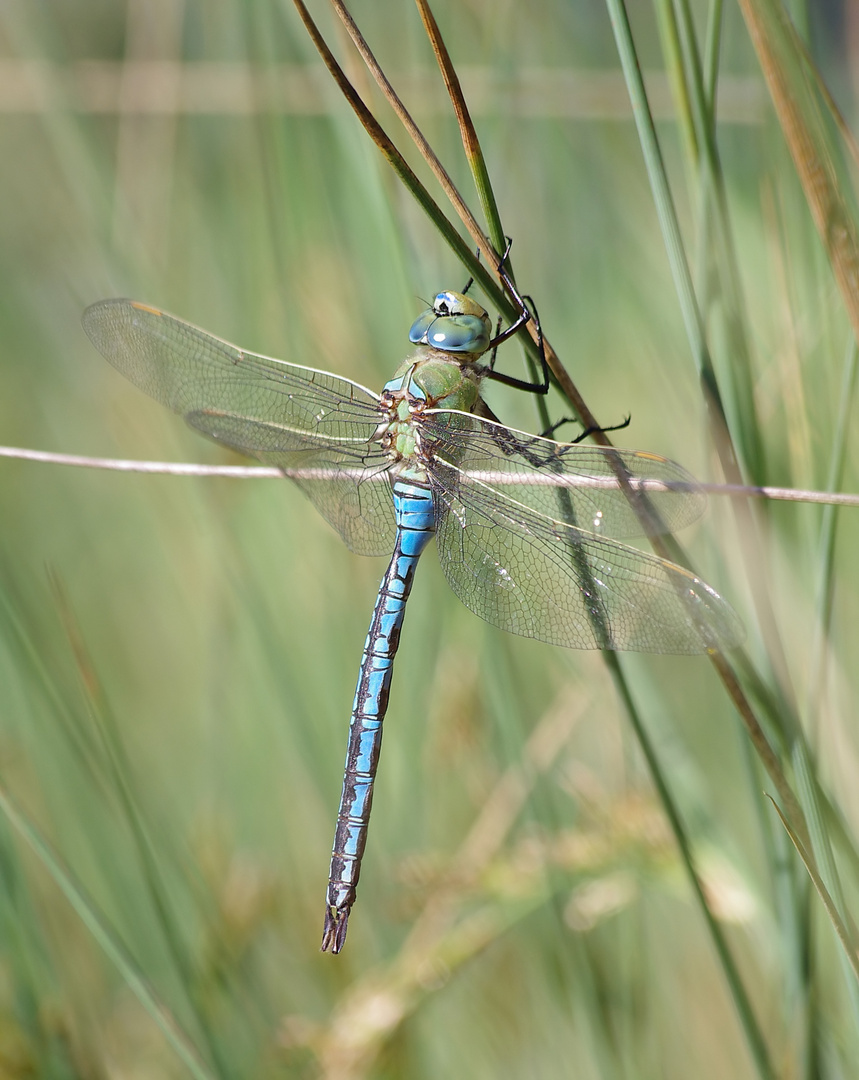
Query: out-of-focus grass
column 177, row 657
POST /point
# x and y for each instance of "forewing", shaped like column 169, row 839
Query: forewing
column 316, row 426
column 538, row 576
column 577, row 483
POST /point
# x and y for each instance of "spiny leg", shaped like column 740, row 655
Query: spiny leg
column 526, row 313
column 593, row 430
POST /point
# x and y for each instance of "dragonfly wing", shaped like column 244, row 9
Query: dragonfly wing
column 578, row 483
column 317, row 427
column 538, row 576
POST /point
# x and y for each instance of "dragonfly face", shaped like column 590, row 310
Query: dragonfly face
column 456, row 324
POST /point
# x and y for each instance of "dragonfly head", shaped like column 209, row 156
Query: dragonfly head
column 455, row 323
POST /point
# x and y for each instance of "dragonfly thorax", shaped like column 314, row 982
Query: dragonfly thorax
column 399, row 432
column 440, row 380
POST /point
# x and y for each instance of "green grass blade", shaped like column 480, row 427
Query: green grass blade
column 468, row 132
column 751, row 1027
column 106, row 937
column 814, row 155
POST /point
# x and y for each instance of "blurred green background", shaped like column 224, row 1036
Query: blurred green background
column 178, row 656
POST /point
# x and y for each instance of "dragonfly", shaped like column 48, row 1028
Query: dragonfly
column 528, row 530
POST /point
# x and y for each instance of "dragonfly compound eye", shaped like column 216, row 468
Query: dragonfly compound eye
column 455, row 323
column 459, row 333
column 418, row 332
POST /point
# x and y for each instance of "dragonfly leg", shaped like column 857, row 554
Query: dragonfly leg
column 550, row 431
column 528, row 310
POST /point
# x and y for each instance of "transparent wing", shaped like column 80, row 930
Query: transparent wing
column 534, row 574
column 315, row 426
column 556, row 479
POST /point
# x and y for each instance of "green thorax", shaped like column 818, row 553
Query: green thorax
column 442, row 372
column 438, row 379
column 427, row 379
